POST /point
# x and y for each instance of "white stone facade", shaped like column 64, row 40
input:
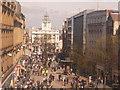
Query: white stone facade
column 46, row 32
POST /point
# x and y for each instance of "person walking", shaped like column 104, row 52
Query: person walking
column 53, row 77
column 72, row 84
column 59, row 77
column 50, row 76
column 43, row 72
column 64, row 81
column 41, row 68
column 46, row 72
column 67, row 80
column 50, row 80
column 21, row 86
column 38, row 72
column 32, row 72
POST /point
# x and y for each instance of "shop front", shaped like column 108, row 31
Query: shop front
column 7, row 82
column 10, row 81
column 68, row 66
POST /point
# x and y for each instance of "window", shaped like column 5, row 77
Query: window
column 2, row 69
column 44, row 25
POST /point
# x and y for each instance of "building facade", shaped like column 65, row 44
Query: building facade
column 60, row 43
column 97, row 40
column 119, row 6
column 112, row 50
column 79, row 30
column 12, row 25
column 95, row 33
column 67, row 31
column 119, row 54
column 64, row 38
column 44, row 35
column 74, row 32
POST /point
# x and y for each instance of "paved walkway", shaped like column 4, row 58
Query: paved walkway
column 55, row 83
column 59, row 84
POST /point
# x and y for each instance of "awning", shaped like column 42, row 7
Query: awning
column 66, row 62
column 116, row 72
column 20, row 67
column 7, row 83
column 100, row 67
column 9, row 54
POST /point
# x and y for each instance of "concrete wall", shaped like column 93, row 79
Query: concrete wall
column 78, row 31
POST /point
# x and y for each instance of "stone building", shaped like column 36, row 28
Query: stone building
column 79, row 30
column 46, row 34
column 12, row 25
column 67, row 36
column 119, row 6
column 112, row 46
column 98, row 41
column 74, row 32
column 64, row 38
column 119, row 55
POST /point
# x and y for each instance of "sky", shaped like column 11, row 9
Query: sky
column 59, row 11
column 68, row 0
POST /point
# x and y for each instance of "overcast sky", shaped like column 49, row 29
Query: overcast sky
column 58, row 11
column 68, row 0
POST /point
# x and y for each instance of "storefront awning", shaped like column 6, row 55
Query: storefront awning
column 6, row 84
column 20, row 67
column 9, row 54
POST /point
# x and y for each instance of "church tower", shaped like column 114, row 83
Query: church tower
column 46, row 23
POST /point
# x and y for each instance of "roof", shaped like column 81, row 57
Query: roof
column 83, row 12
column 107, row 11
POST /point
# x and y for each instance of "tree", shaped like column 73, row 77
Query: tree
column 79, row 59
column 106, row 56
column 46, row 47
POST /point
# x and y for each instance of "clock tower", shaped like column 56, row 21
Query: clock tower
column 46, row 23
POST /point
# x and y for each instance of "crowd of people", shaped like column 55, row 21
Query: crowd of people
column 34, row 67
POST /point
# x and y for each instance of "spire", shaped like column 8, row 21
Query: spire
column 46, row 24
column 46, row 18
column 46, row 15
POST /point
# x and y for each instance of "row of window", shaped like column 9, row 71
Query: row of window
column 95, row 31
column 95, row 36
column 7, row 11
column 96, row 19
column 10, row 4
column 92, row 42
column 7, row 31
column 7, row 36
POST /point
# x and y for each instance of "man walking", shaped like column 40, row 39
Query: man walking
column 59, row 77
